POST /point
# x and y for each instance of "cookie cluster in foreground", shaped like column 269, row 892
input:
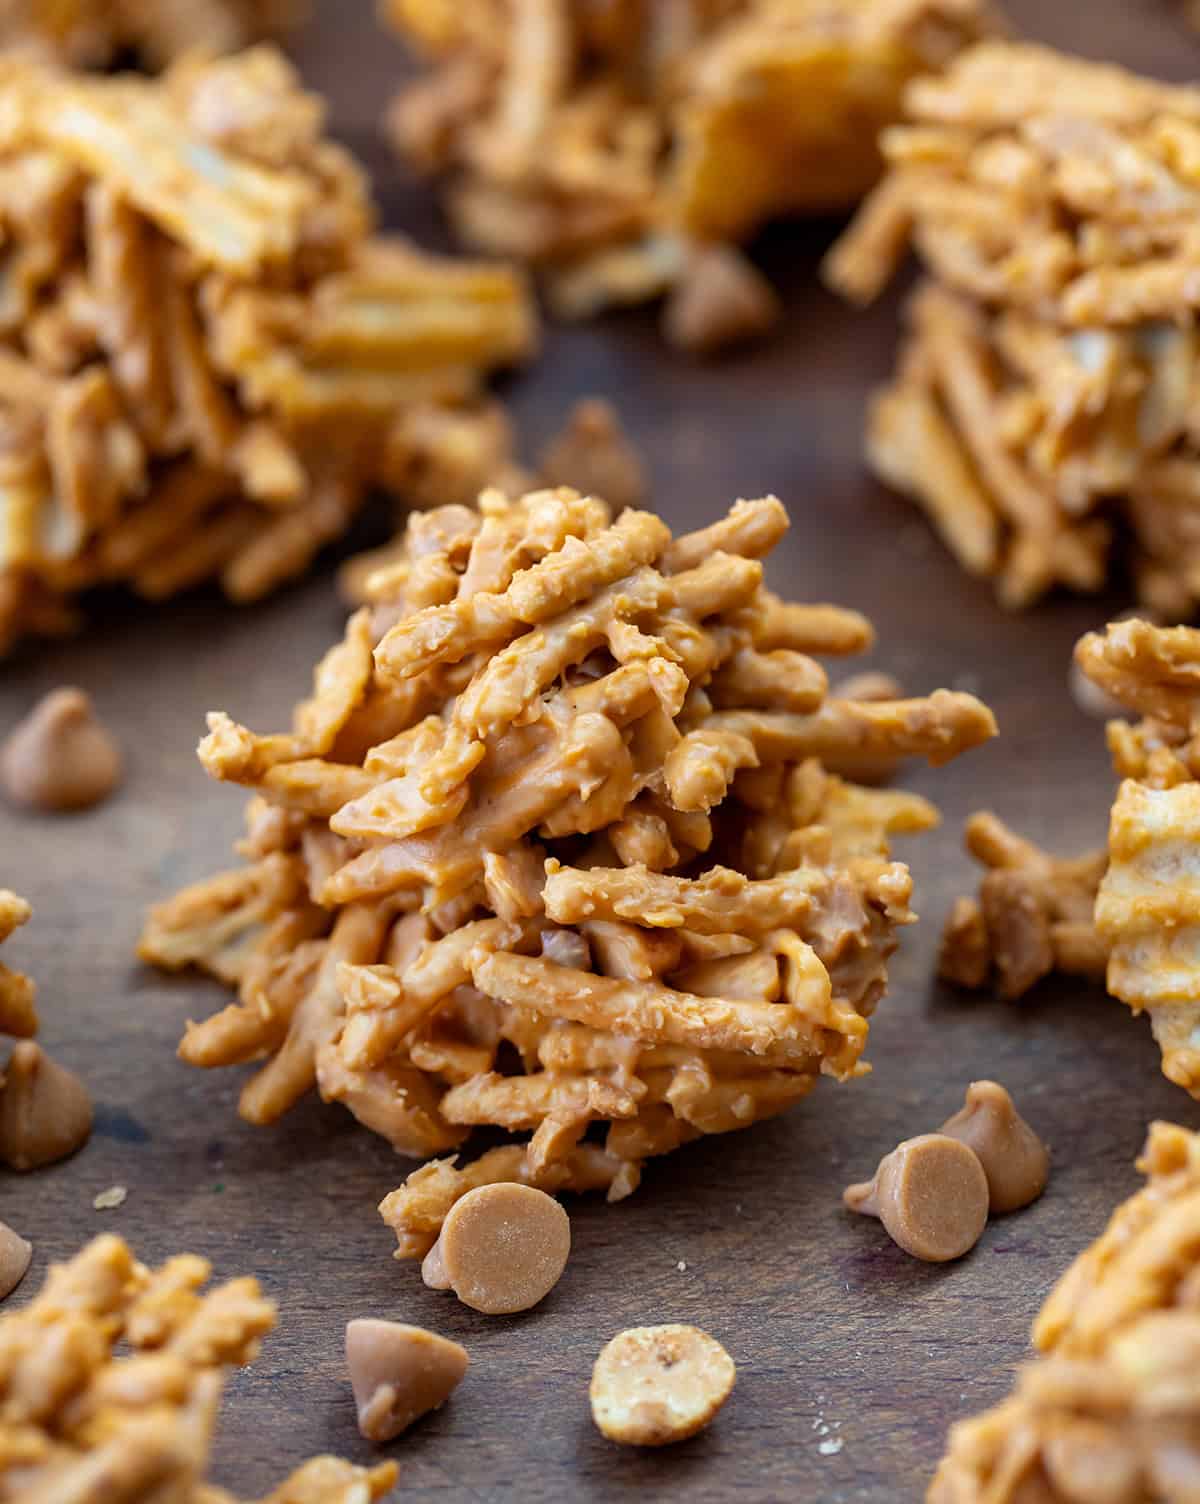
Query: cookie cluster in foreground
column 205, row 357
column 565, row 836
column 95, row 33
column 1110, row 1410
column 1043, row 392
column 626, row 149
column 81, row 1421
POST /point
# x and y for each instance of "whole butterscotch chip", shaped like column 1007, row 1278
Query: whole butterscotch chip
column 61, row 756
column 15, row 1254
column 931, row 1194
column 45, row 1109
column 399, row 1373
column 1014, row 1159
column 504, row 1247
column 653, row 1385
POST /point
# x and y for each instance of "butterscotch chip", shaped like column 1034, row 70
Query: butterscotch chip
column 399, row 1373
column 721, row 300
column 45, row 1110
column 61, row 756
column 593, row 454
column 1014, row 1159
column 653, row 1385
column 15, row 1254
column 504, row 1247
column 931, row 1194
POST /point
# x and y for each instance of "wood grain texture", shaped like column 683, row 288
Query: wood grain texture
column 828, row 1322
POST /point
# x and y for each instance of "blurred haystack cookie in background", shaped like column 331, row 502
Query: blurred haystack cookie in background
column 1042, row 410
column 626, row 147
column 207, row 358
column 97, row 33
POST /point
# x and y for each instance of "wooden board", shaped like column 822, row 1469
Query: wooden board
column 831, row 1325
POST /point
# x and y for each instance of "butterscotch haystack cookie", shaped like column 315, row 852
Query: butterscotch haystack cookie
column 1043, row 392
column 79, row 1422
column 1110, row 1411
column 1033, row 914
column 561, row 839
column 205, row 358
column 95, row 33
column 608, row 144
column 18, row 1015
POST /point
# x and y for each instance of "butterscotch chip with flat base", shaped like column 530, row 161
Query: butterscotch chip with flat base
column 1014, row 1159
column 653, row 1385
column 721, row 300
column 61, row 756
column 45, row 1110
column 931, row 1194
column 399, row 1373
column 504, row 1247
column 593, row 454
column 15, row 1254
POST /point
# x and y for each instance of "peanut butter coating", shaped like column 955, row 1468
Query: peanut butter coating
column 45, row 1110
column 15, row 1254
column 1014, row 1159
column 61, row 756
column 931, row 1194
column 399, row 1373
column 504, row 1247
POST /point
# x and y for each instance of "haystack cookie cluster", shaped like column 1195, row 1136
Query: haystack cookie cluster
column 1109, row 1411
column 934, row 1193
column 627, row 149
column 567, row 835
column 111, row 1382
column 194, row 310
column 96, row 33
column 1044, row 390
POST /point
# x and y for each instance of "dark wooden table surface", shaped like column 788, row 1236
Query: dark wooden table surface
column 836, row 1333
